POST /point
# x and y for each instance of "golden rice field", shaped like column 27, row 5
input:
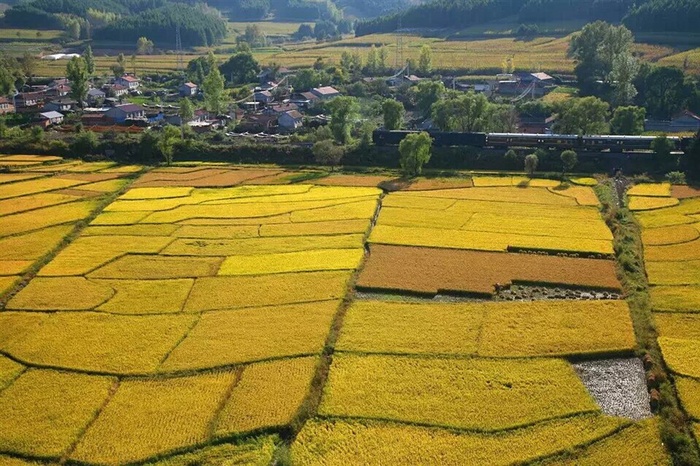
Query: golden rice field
column 207, row 314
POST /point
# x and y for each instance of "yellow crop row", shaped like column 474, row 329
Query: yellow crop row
column 675, row 298
column 674, row 273
column 89, row 341
column 256, row 452
column 9, row 370
column 485, row 241
column 46, row 217
column 650, row 189
column 149, row 417
column 673, row 252
column 90, row 252
column 268, row 395
column 155, row 266
column 119, row 218
column 267, row 245
column 473, row 394
column 500, row 194
column 539, row 328
column 689, row 393
column 339, row 442
column 12, row 177
column 681, row 356
column 651, row 203
column 43, row 412
column 265, row 290
column 349, row 211
column 22, row 204
column 670, row 235
column 223, row 338
column 638, row 444
column 301, row 261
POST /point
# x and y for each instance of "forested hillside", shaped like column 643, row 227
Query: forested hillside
column 638, row 15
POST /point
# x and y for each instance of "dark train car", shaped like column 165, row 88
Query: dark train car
column 440, row 138
column 545, row 141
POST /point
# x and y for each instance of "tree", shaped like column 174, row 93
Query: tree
column 28, row 64
column 241, row 68
column 326, row 152
column 622, row 76
column 73, row 30
column 167, row 141
column 692, row 162
column 465, row 112
column 663, row 91
column 372, row 61
column 426, row 94
column 133, row 63
column 531, row 162
column 85, row 143
column 186, row 113
column 568, row 161
column 89, row 60
column 664, row 160
column 425, row 61
column 144, row 46
column 213, row 87
column 344, row 112
column 305, row 31
column 587, row 115
column 77, row 74
column 628, row 120
column 120, row 67
column 393, row 114
column 415, row 152
column 254, row 36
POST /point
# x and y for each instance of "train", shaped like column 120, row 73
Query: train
column 601, row 143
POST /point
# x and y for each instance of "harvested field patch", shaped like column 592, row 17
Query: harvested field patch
column 9, row 371
column 119, row 218
column 689, row 393
column 301, row 261
column 333, row 227
column 268, row 395
column 93, row 341
column 681, row 356
column 258, row 451
column 37, row 201
column 637, row 203
column 352, row 180
column 678, row 325
column 146, row 296
column 341, row 442
column 131, row 230
column 150, row 267
column 149, row 417
column 669, row 235
column 217, row 231
column 90, row 252
column 674, row 273
column 43, row 412
column 156, row 193
column 78, row 193
column 673, row 252
column 684, row 192
column 46, row 217
column 60, row 293
column 265, row 290
column 223, row 338
column 473, row 394
column 403, row 328
column 650, row 189
column 24, row 188
column 675, row 298
column 430, row 270
column 268, row 245
column 639, row 444
column 584, row 195
column 284, row 177
column 548, row 328
column 484, row 241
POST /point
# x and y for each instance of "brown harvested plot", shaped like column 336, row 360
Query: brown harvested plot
column 428, row 184
column 352, row 180
column 202, row 178
column 429, row 270
column 684, row 192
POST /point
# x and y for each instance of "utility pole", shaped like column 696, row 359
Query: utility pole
column 178, row 50
column 398, row 58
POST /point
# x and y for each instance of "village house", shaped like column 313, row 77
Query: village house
column 121, row 113
column 116, row 90
column 278, row 109
column 6, row 106
column 63, row 105
column 290, row 121
column 257, row 123
column 60, row 90
column 188, row 89
column 264, row 97
column 47, row 119
column 96, row 96
column 304, row 99
column 685, row 121
column 128, row 81
column 28, row 101
column 325, row 92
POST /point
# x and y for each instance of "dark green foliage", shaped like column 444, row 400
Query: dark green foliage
column 665, row 15
column 692, row 160
column 241, row 68
column 628, row 120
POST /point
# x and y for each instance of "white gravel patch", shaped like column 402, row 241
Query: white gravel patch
column 617, row 385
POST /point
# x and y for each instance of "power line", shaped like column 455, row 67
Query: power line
column 178, row 49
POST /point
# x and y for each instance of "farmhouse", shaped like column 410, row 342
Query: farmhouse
column 95, row 96
column 290, row 120
column 50, row 118
column 264, row 97
column 187, row 90
column 60, row 105
column 6, row 106
column 325, row 92
column 121, row 113
column 28, row 101
column 129, row 82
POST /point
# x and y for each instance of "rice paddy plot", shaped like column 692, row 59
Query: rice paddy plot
column 678, row 325
column 584, row 195
column 637, row 203
column 31, row 202
column 675, row 234
column 650, row 189
column 500, row 194
column 9, row 371
column 681, row 356
column 44, row 411
column 260, row 246
column 684, row 192
column 340, row 442
column 13, row 177
column 675, row 298
column 131, row 230
column 301, row 261
column 224, row 338
column 258, row 451
column 13, row 267
column 217, row 231
column 94, row 342
column 348, row 211
column 673, row 252
column 268, row 395
column 132, row 266
column 476, row 394
column 45, row 217
column 674, row 272
column 61, row 294
column 663, row 218
column 429, row 184
column 689, row 393
column 151, row 417
column 146, row 296
column 118, row 218
column 156, row 193
column 332, row 227
column 206, row 177
column 265, row 290
column 25, row 188
column 352, row 180
column 7, row 282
